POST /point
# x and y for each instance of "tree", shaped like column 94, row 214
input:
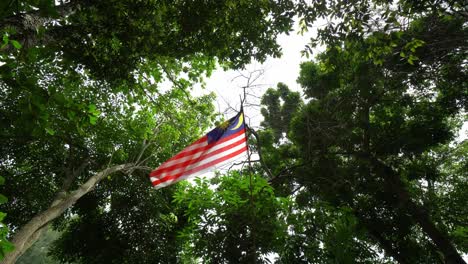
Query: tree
column 116, row 139
column 80, row 89
column 322, row 233
column 38, row 252
column 369, row 137
column 5, row 245
column 132, row 224
column 239, row 221
column 98, row 35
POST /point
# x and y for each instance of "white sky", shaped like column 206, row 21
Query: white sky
column 227, row 84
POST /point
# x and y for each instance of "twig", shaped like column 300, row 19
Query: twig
column 174, row 81
column 259, row 150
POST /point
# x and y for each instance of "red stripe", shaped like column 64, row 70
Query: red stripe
column 199, row 168
column 198, row 159
column 200, row 149
column 182, row 152
column 191, row 152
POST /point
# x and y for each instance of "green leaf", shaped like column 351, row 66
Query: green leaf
column 91, row 108
column 5, row 39
column 2, row 180
column 2, row 216
column 16, row 44
column 50, row 131
column 92, row 120
column 3, row 199
column 7, row 246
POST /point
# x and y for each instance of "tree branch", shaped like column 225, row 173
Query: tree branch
column 417, row 212
column 259, row 151
column 25, row 235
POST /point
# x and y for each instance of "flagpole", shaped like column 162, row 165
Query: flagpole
column 249, row 160
column 252, row 205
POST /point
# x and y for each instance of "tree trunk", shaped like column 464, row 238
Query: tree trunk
column 419, row 214
column 375, row 231
column 27, row 24
column 387, row 246
column 31, row 231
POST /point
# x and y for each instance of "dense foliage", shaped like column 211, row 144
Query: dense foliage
column 237, row 221
column 38, row 252
column 373, row 140
column 363, row 165
column 5, row 245
column 82, row 91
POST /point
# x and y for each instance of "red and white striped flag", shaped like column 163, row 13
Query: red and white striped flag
column 221, row 145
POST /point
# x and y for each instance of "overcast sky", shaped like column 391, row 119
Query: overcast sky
column 227, row 84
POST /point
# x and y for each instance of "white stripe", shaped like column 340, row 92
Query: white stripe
column 198, row 154
column 203, row 161
column 153, row 179
column 194, row 146
column 195, row 174
column 167, row 183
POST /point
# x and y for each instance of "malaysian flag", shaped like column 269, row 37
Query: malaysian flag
column 221, row 145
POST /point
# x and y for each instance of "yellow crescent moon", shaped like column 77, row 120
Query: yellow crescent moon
column 239, row 123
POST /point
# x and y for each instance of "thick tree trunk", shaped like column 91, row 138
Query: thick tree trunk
column 18, row 20
column 375, row 230
column 31, row 231
column 419, row 214
column 27, row 24
column 387, row 246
